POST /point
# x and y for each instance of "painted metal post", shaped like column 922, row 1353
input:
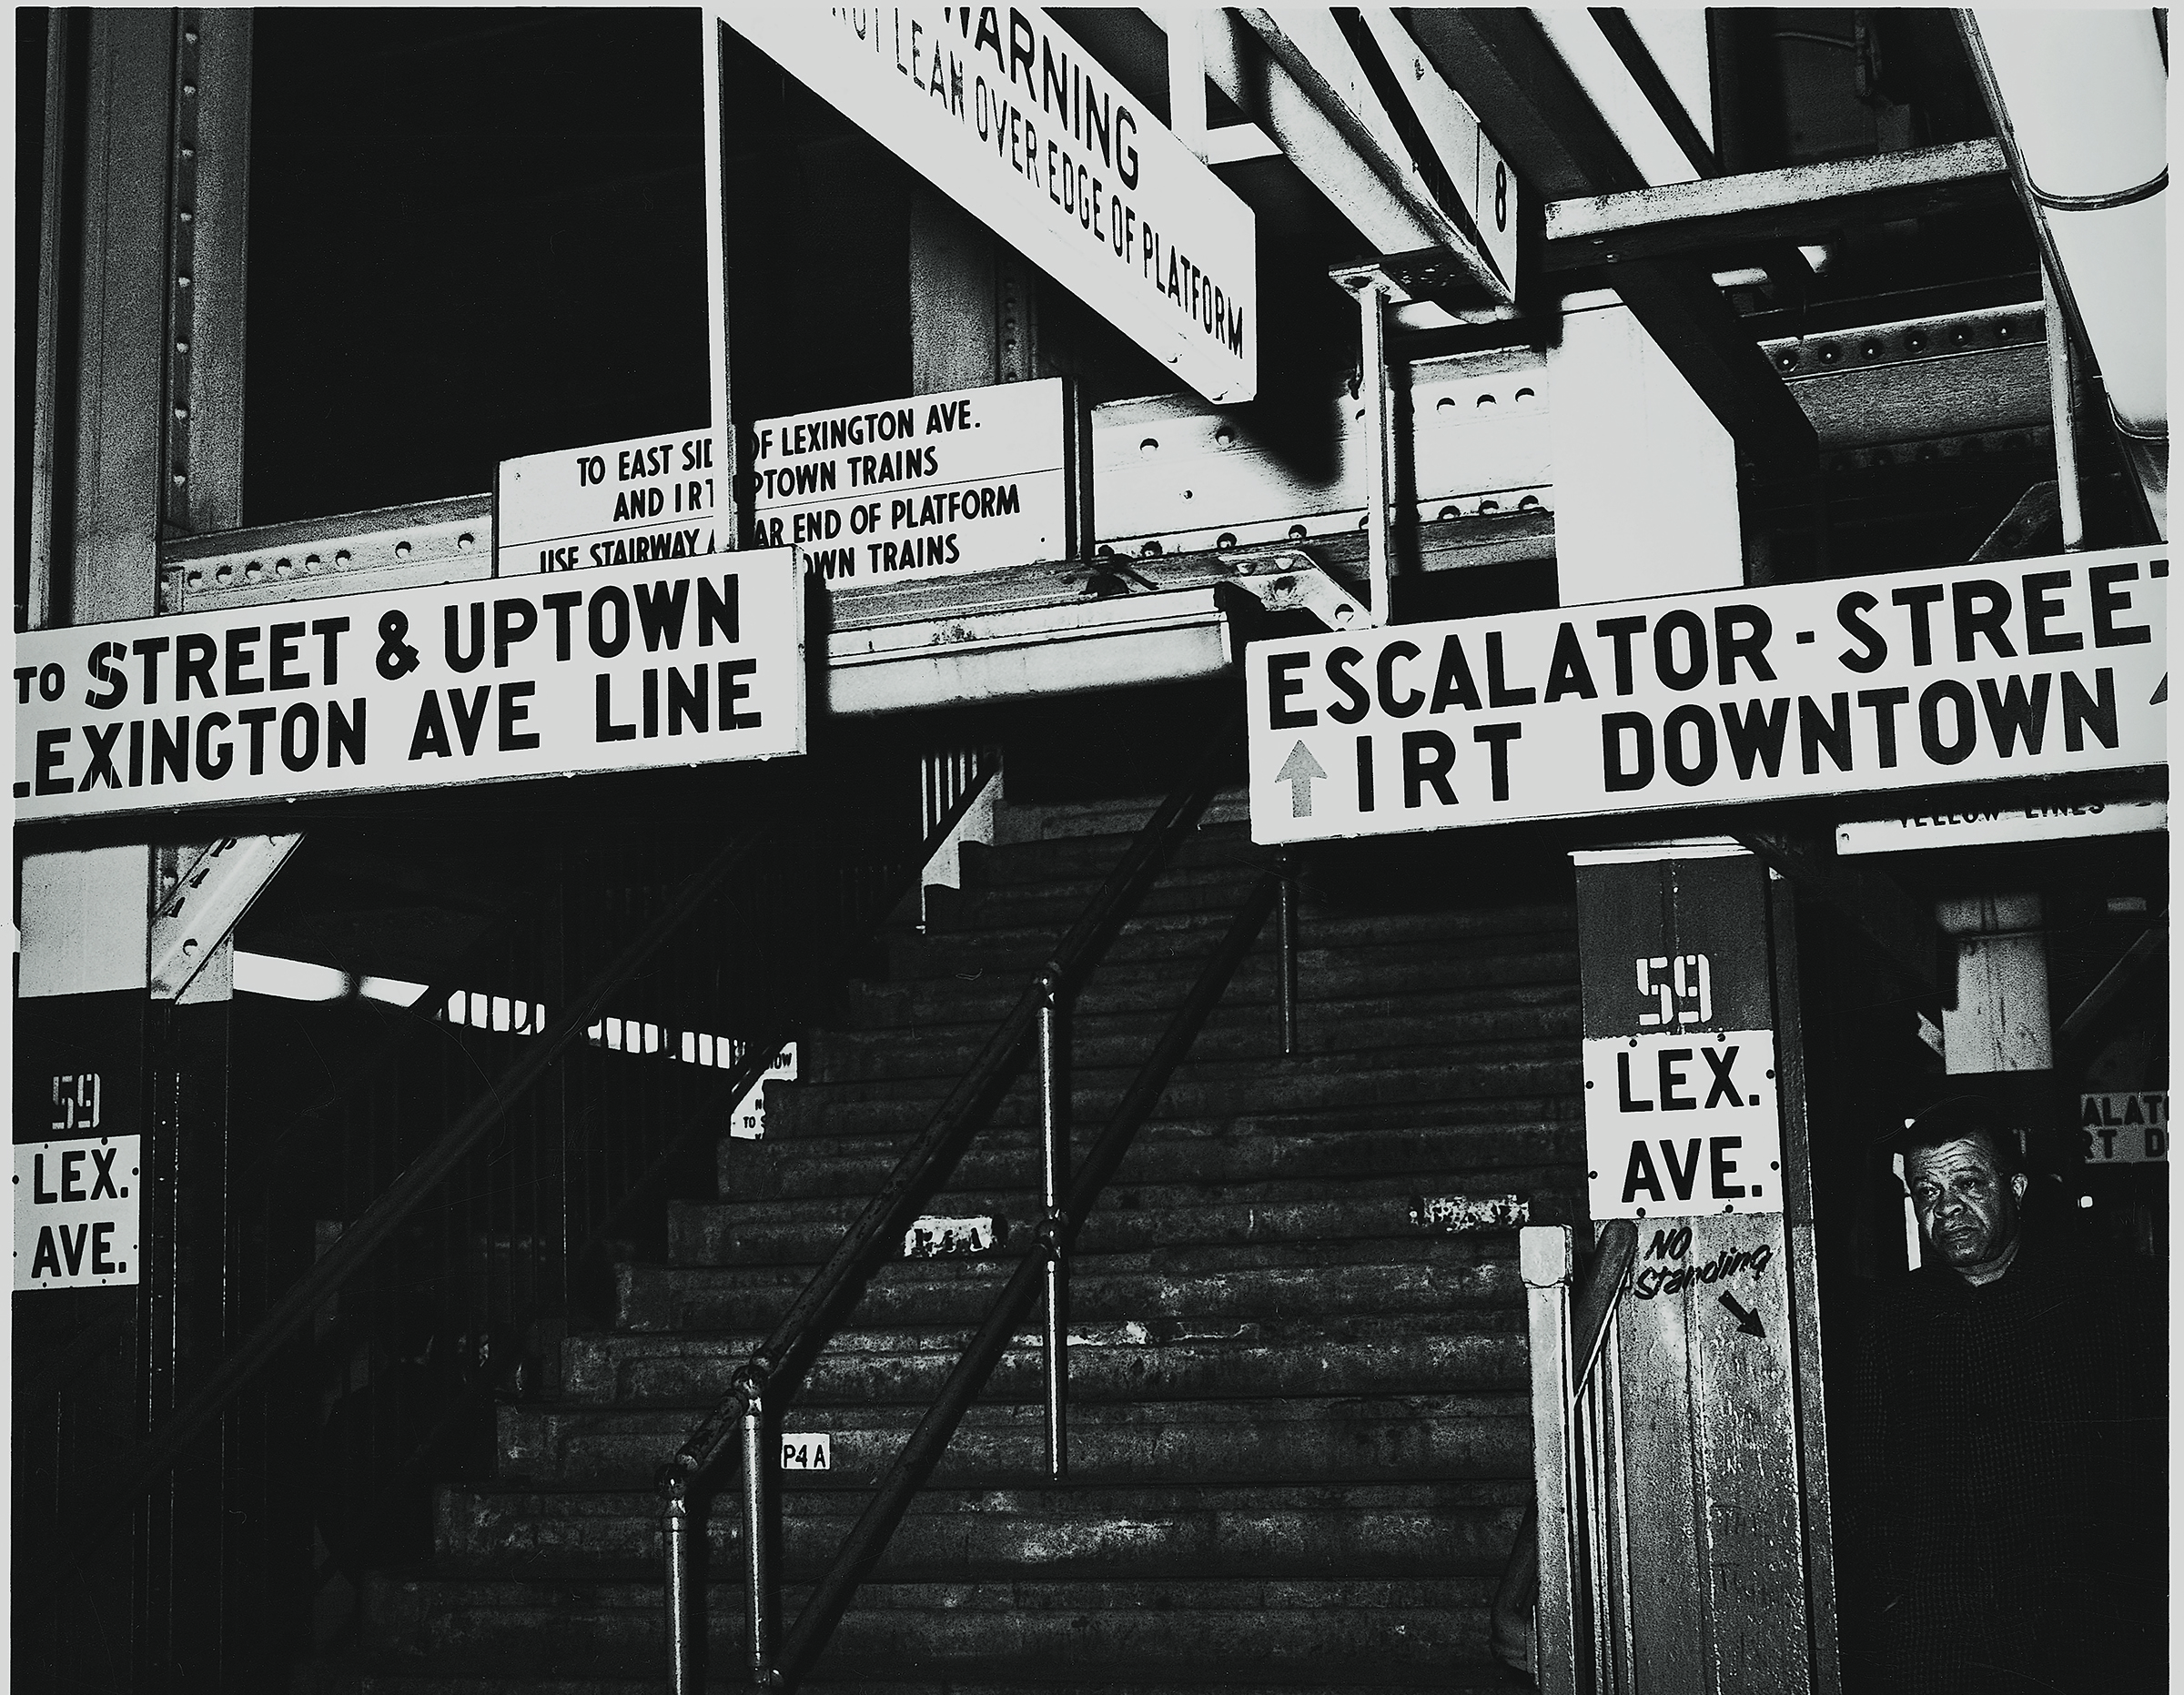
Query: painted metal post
column 1546, row 1259
column 758, row 1595
column 674, row 1488
column 1804, row 1290
column 1710, row 1449
column 1373, row 399
column 1053, row 1160
column 2059, row 403
column 1285, row 866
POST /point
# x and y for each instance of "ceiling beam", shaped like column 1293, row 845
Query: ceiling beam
column 1802, row 203
column 1505, row 69
column 1311, row 47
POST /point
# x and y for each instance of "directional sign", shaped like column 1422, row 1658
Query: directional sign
column 682, row 662
column 619, row 503
column 2125, row 1129
column 1007, row 115
column 1966, row 674
column 1746, row 1320
column 1299, row 770
column 932, row 485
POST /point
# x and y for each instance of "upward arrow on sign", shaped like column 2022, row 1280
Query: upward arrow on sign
column 1298, row 771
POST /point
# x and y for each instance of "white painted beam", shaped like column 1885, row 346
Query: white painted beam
column 196, row 917
column 86, row 921
column 1645, row 474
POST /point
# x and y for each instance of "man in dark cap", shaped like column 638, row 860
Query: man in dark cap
column 2013, row 1486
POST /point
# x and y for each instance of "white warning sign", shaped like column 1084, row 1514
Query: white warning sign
column 1681, row 1124
column 77, row 1206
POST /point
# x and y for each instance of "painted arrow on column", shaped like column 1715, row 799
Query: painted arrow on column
column 1746, row 1320
column 1298, row 771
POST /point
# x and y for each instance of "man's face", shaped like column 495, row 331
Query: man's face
column 1967, row 1208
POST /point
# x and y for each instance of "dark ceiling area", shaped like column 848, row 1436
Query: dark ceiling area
column 474, row 235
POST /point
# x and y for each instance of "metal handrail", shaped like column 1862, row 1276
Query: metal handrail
column 1612, row 1256
column 923, row 1167
column 867, row 1541
column 729, row 1086
column 1590, row 1315
column 395, row 1205
column 402, row 1197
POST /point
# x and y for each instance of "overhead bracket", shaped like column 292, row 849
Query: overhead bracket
column 198, row 913
column 1284, row 580
column 1374, row 286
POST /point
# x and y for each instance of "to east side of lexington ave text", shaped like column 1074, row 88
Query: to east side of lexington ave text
column 664, row 489
column 1891, row 681
column 964, row 479
column 522, row 677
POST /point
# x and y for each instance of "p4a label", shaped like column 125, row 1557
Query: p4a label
column 807, row 1451
column 1681, row 1124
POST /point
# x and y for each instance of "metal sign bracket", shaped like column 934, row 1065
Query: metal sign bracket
column 198, row 911
column 1286, row 580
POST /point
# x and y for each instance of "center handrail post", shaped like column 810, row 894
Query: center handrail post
column 1285, row 866
column 682, row 1673
column 758, row 1586
column 1054, row 1160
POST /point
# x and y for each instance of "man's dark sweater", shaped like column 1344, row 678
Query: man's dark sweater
column 2009, row 1505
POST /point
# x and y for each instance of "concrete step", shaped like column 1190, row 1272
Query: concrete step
column 1162, row 1359
column 1504, row 1071
column 1276, row 1281
column 1183, row 1629
column 1023, row 1535
column 1088, row 858
column 1433, row 1143
column 1186, row 935
column 1053, row 906
column 805, row 1231
column 1055, row 897
column 345, row 1678
column 1308, row 1439
column 1386, row 1028
column 1325, row 976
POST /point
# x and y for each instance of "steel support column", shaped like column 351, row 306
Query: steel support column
column 138, row 436
column 208, row 213
column 111, row 268
column 1720, row 1441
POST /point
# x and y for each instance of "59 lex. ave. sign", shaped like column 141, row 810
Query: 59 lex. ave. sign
column 665, row 663
column 1964, row 674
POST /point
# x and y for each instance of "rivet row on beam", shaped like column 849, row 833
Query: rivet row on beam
column 1896, row 344
column 182, row 249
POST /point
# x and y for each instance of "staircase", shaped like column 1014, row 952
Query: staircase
column 1299, row 1417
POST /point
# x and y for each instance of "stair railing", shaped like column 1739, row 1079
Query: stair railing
column 385, row 1216
column 814, row 1315
column 1571, row 1541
